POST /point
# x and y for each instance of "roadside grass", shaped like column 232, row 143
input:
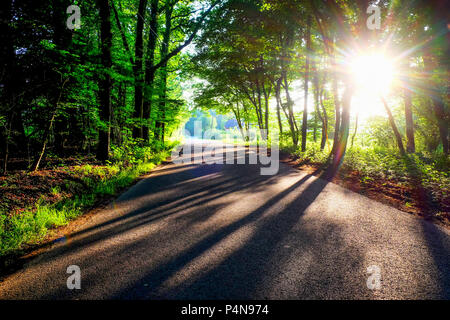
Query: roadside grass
column 32, row 224
column 376, row 162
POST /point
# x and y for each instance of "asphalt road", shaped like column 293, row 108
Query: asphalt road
column 222, row 231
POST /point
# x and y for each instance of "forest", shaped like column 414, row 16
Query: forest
column 94, row 94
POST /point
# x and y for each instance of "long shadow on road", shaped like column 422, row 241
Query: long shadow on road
column 151, row 211
column 200, row 193
column 249, row 271
column 282, row 258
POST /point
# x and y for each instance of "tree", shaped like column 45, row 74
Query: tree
column 105, row 79
column 149, row 70
column 138, row 67
column 397, row 135
column 410, row 146
column 305, row 108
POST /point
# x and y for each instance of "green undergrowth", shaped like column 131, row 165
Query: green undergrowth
column 18, row 231
column 428, row 169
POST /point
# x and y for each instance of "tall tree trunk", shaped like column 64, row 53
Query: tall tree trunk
column 290, row 107
column 316, row 100
column 315, row 127
column 305, row 108
column 341, row 147
column 438, row 104
column 149, row 71
column 246, row 121
column 105, row 80
column 266, row 115
column 137, row 68
column 410, row 145
column 163, row 89
column 286, row 58
column 266, row 92
column 439, row 12
column 337, row 106
column 324, row 121
column 356, row 128
column 237, row 115
column 278, row 98
column 397, row 135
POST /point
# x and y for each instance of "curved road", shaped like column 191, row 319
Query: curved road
column 222, row 231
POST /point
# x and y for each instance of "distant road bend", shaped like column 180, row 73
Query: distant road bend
column 222, row 231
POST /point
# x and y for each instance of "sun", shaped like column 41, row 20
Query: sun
column 373, row 76
column 372, row 73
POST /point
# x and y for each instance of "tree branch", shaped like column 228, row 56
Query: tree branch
column 124, row 38
column 188, row 41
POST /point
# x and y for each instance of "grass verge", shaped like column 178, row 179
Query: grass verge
column 32, row 224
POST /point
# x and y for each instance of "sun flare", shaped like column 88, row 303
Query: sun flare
column 373, row 76
column 373, row 73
